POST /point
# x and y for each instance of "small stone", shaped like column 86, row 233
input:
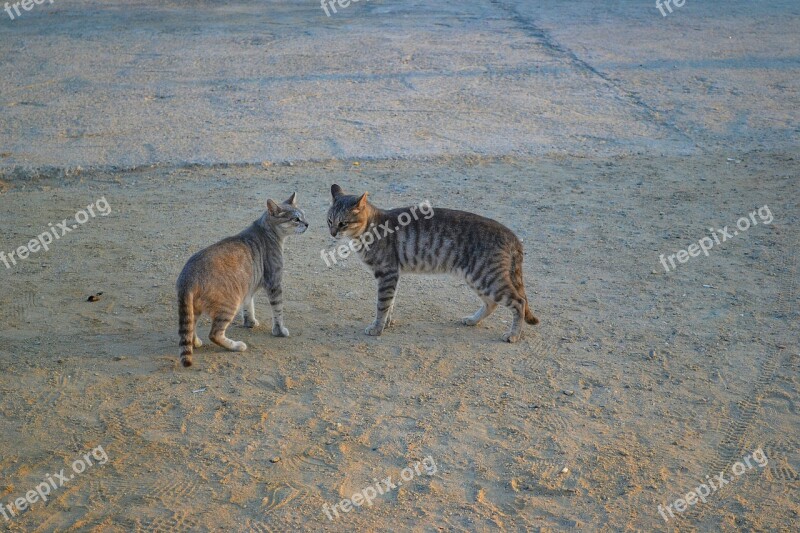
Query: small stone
column 565, row 470
column 569, row 392
column 275, row 459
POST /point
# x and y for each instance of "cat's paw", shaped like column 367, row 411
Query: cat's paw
column 251, row 323
column 373, row 330
column 469, row 321
column 197, row 342
column 238, row 346
column 511, row 337
column 280, row 331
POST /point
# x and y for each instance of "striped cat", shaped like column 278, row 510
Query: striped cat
column 220, row 279
column 486, row 254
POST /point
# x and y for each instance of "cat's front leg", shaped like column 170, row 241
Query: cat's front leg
column 387, row 288
column 276, row 301
column 390, row 316
column 249, row 312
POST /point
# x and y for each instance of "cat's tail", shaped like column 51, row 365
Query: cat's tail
column 530, row 318
column 186, row 326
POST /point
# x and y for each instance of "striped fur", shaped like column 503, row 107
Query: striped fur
column 221, row 279
column 486, row 254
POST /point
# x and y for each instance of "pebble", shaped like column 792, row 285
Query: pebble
column 569, row 392
column 565, row 470
column 275, row 460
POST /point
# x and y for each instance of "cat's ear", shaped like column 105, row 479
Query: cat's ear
column 292, row 201
column 336, row 191
column 361, row 203
column 273, row 208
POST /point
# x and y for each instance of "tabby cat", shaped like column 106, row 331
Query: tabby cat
column 486, row 254
column 220, row 279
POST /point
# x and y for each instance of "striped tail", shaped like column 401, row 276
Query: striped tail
column 529, row 318
column 186, row 327
column 520, row 285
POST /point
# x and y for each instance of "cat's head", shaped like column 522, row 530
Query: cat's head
column 348, row 215
column 286, row 218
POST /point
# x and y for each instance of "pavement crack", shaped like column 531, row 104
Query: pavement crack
column 560, row 51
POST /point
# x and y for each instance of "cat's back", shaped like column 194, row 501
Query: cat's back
column 453, row 223
column 449, row 240
column 230, row 256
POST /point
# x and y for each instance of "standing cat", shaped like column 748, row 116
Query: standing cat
column 486, row 254
column 219, row 279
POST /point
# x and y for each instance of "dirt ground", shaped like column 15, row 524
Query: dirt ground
column 603, row 135
column 638, row 381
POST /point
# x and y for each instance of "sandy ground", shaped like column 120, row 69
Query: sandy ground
column 603, row 136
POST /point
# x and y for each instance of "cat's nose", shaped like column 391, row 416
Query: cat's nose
column 333, row 232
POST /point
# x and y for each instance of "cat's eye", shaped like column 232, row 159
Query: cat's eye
column 342, row 224
column 296, row 219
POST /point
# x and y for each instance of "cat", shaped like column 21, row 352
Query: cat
column 220, row 279
column 486, row 254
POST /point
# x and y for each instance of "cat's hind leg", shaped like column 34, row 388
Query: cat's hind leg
column 517, row 306
column 249, row 312
column 487, row 309
column 217, row 334
column 499, row 290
